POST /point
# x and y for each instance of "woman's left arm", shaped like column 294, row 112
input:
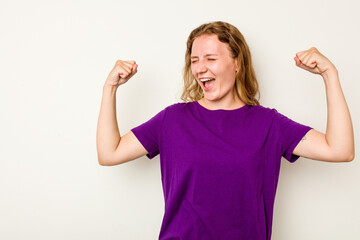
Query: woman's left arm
column 337, row 145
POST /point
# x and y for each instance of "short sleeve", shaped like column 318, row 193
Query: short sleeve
column 149, row 133
column 290, row 134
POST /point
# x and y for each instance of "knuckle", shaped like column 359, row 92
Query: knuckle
column 118, row 68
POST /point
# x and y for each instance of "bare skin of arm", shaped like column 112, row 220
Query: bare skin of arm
column 113, row 149
column 337, row 144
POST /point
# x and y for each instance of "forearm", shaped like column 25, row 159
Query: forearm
column 108, row 135
column 339, row 130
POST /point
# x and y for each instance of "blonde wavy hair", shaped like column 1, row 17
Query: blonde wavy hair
column 246, row 85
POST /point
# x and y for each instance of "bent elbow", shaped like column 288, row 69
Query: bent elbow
column 104, row 161
column 351, row 157
column 101, row 162
column 345, row 157
column 109, row 160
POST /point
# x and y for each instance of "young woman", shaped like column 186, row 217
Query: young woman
column 220, row 150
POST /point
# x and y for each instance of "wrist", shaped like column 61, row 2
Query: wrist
column 109, row 88
column 330, row 73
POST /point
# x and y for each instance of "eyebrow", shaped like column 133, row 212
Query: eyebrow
column 207, row 55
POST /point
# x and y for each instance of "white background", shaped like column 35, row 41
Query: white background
column 54, row 59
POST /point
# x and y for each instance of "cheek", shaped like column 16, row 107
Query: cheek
column 231, row 71
column 224, row 72
column 215, row 68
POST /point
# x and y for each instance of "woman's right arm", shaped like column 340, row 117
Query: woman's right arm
column 113, row 149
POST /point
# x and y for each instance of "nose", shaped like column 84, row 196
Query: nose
column 201, row 67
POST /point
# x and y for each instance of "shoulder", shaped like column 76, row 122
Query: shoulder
column 263, row 111
column 173, row 109
column 179, row 106
column 267, row 115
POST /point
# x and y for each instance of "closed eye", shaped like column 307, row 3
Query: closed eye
column 209, row 59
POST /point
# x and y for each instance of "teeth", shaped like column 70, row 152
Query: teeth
column 206, row 79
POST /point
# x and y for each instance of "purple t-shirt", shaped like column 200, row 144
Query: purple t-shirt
column 219, row 168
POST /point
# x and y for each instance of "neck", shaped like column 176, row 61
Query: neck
column 229, row 103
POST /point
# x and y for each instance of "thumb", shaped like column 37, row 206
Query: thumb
column 133, row 71
column 134, row 68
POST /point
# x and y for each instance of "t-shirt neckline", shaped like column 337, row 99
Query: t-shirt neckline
column 220, row 110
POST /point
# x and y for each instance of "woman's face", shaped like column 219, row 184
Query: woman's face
column 211, row 59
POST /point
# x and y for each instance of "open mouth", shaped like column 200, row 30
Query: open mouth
column 208, row 83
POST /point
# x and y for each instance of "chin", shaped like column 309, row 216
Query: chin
column 211, row 96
